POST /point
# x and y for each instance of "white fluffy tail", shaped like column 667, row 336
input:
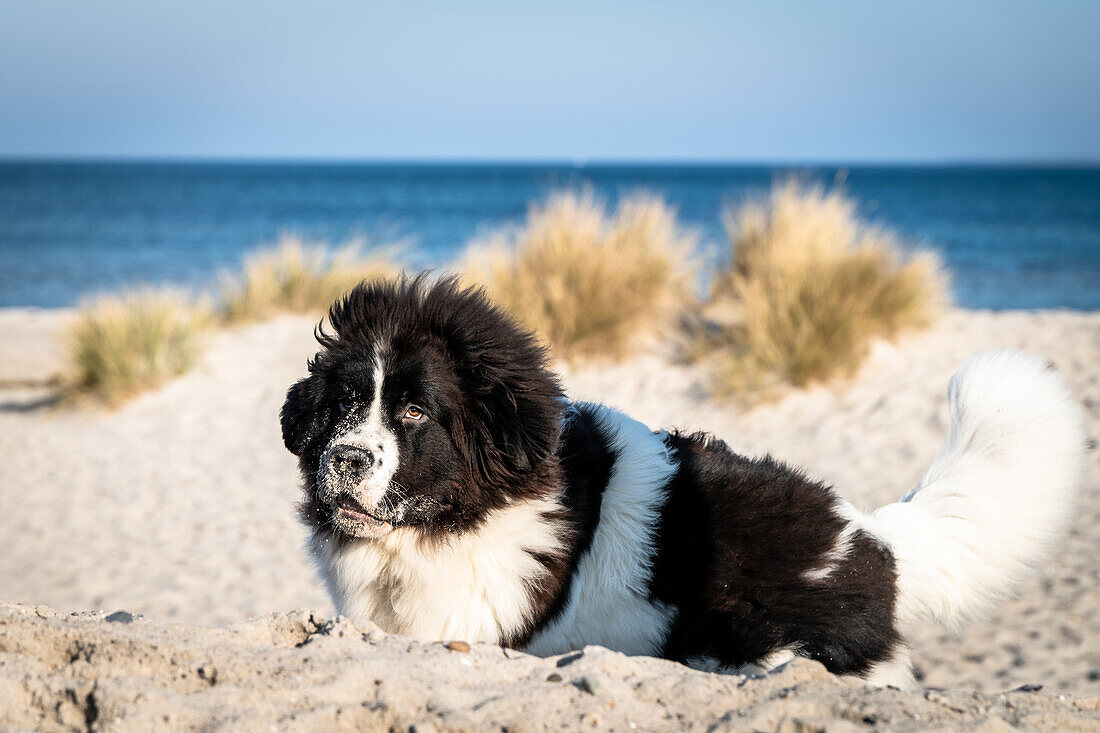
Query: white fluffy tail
column 998, row 495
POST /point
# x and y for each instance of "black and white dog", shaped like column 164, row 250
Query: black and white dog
column 454, row 493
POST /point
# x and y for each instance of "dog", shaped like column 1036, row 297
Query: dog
column 453, row 492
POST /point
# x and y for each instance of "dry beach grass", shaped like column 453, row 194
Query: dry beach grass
column 588, row 282
column 810, row 287
column 121, row 346
column 296, row 276
column 807, row 288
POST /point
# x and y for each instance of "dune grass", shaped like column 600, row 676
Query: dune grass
column 590, row 283
column 809, row 288
column 121, row 345
column 298, row 277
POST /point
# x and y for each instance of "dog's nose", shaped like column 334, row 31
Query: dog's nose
column 351, row 460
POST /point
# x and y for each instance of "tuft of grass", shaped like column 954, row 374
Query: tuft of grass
column 298, row 277
column 590, row 283
column 121, row 345
column 809, row 288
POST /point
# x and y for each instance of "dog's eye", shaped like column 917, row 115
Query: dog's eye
column 344, row 406
column 412, row 412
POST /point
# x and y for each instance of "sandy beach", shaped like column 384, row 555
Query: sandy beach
column 179, row 506
column 301, row 671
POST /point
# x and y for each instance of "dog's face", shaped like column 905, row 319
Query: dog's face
column 387, row 459
column 426, row 408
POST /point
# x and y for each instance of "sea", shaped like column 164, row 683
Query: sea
column 1012, row 237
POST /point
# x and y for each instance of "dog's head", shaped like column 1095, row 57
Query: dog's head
column 425, row 407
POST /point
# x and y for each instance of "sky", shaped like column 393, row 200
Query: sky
column 993, row 80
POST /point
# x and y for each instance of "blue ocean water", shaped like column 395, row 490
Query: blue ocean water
column 1013, row 237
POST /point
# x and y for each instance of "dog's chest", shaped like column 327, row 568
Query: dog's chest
column 475, row 587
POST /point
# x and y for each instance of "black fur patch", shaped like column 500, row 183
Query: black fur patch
column 734, row 541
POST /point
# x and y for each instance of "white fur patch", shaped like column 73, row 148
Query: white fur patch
column 831, row 559
column 894, row 672
column 997, row 496
column 472, row 586
column 608, row 600
column 373, row 436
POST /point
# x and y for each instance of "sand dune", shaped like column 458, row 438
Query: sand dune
column 179, row 506
column 301, row 671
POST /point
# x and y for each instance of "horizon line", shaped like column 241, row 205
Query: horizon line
column 578, row 162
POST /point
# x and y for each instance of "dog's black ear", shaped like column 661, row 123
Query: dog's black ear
column 298, row 416
column 510, row 402
column 511, row 423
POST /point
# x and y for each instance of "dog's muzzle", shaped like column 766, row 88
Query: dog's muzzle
column 343, row 478
column 350, row 462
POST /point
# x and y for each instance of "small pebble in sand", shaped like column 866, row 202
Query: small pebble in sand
column 554, row 677
column 121, row 617
column 590, row 720
column 591, row 685
column 458, row 646
column 569, row 659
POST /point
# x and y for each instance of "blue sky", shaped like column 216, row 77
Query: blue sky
column 766, row 81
